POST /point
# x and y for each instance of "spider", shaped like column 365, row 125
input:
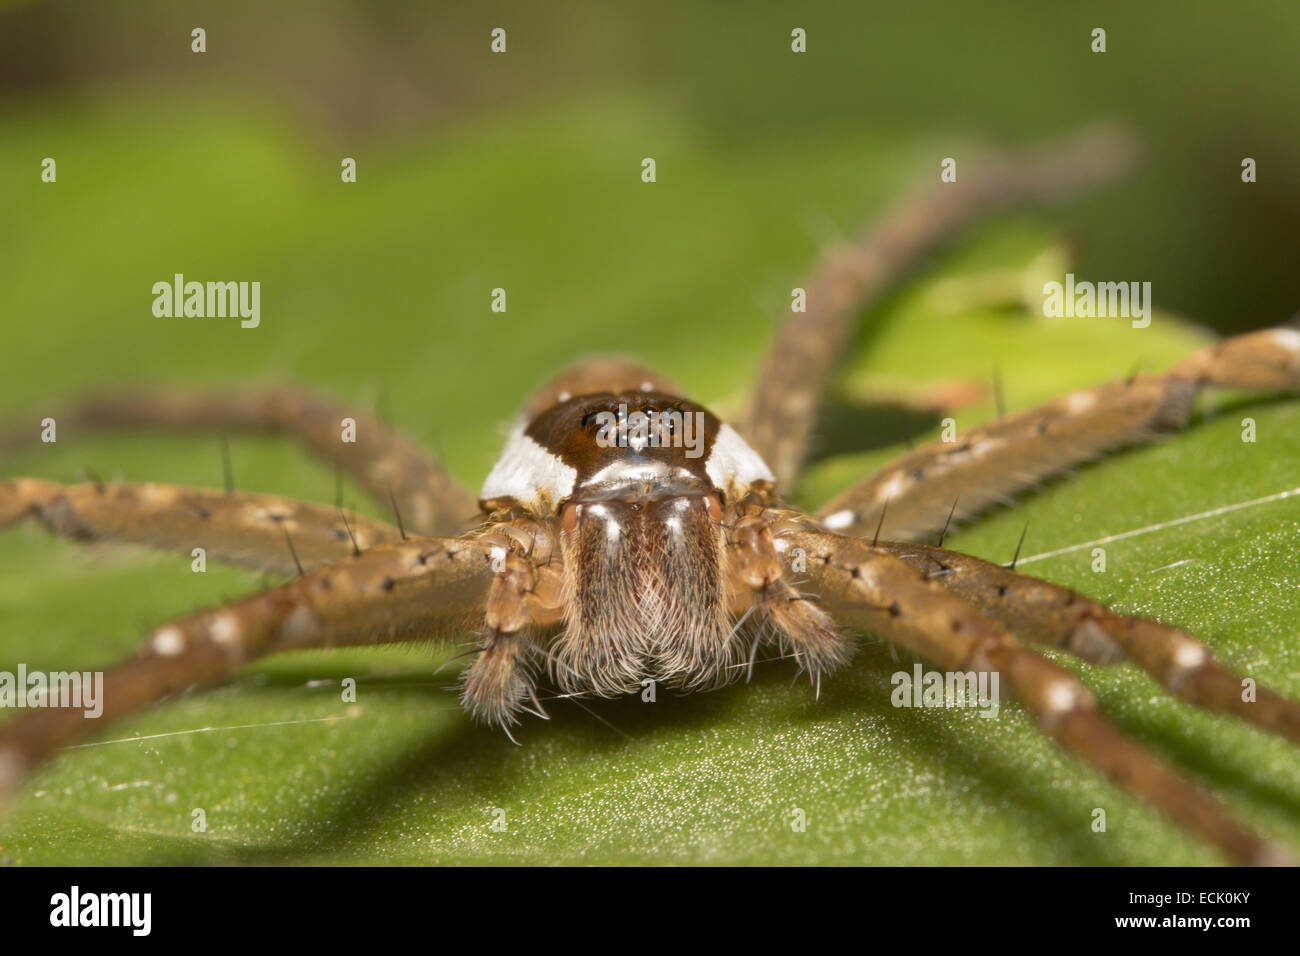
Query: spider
column 628, row 535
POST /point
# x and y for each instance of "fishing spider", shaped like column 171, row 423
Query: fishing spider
column 626, row 534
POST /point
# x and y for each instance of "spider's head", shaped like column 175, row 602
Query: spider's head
column 640, row 444
column 636, row 484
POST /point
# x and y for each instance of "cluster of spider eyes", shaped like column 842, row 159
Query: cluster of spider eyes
column 667, row 422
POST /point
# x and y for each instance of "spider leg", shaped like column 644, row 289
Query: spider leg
column 1045, row 613
column 387, row 464
column 757, row 581
column 809, row 345
column 869, row 588
column 413, row 590
column 525, row 596
column 994, row 461
column 263, row 532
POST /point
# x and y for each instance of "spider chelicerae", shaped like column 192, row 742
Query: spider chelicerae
column 628, row 535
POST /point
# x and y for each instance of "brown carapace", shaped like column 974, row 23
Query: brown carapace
column 627, row 535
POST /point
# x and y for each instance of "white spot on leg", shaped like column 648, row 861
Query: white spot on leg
column 168, row 642
column 838, row 520
column 1062, row 696
column 225, row 630
column 300, row 625
column 892, row 487
column 1287, row 338
column 156, row 495
column 1189, row 655
column 1080, row 402
column 984, row 446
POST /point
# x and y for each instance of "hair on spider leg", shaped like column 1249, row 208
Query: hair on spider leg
column 537, row 710
column 622, row 733
column 784, row 652
column 811, row 598
column 292, row 550
column 356, row 549
column 814, row 673
column 475, row 649
column 552, row 659
column 574, row 698
column 943, row 569
column 951, row 511
column 1019, row 545
column 739, row 624
column 397, row 513
column 753, row 651
column 799, row 672
column 759, row 660
column 875, row 538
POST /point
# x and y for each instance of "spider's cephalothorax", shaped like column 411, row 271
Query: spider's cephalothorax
column 627, row 535
column 643, row 495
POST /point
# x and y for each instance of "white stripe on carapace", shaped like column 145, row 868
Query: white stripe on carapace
column 733, row 466
column 529, row 473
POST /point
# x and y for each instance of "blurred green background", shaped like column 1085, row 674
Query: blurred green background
column 1206, row 86
column 522, row 171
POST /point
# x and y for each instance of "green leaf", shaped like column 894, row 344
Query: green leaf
column 383, row 288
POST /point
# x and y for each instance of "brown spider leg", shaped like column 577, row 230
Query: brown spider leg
column 391, row 467
column 525, row 597
column 1045, row 613
column 756, row 579
column 415, row 590
column 810, row 344
column 992, row 462
column 871, row 589
column 263, row 532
